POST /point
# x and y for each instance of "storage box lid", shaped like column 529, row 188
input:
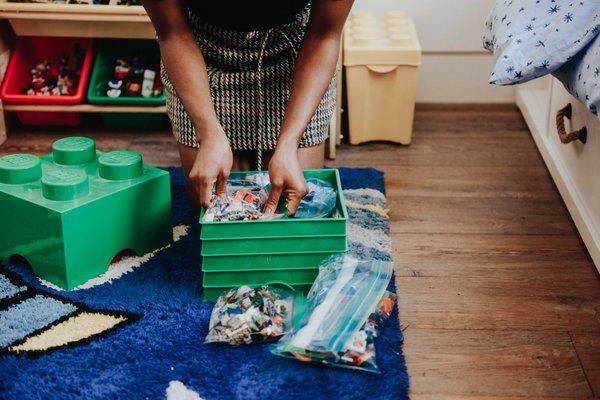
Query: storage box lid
column 389, row 39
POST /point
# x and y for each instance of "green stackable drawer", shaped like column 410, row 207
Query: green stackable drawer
column 265, row 261
column 257, row 277
column 236, row 253
column 274, row 245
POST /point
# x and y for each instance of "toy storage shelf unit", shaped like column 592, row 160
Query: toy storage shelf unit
column 381, row 60
column 287, row 251
column 73, row 21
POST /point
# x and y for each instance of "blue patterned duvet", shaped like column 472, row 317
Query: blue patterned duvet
column 532, row 38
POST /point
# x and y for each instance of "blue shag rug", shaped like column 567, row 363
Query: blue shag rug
column 137, row 331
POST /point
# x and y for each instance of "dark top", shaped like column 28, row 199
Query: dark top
column 247, row 15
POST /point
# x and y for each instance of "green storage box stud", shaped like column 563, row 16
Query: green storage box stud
column 62, row 184
column 119, row 165
column 20, row 168
column 70, row 212
column 74, row 150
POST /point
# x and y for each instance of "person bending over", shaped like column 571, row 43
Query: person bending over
column 249, row 84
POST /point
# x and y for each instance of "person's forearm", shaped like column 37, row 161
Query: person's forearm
column 183, row 61
column 186, row 69
column 315, row 65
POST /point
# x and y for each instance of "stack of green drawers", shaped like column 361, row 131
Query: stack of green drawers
column 286, row 251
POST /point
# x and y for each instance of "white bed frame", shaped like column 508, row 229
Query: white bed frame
column 574, row 166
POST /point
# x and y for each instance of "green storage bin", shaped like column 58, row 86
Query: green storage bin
column 289, row 251
column 284, row 228
column 239, row 278
column 263, row 262
column 211, row 293
column 102, row 72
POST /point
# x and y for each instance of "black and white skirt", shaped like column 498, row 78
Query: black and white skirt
column 250, row 75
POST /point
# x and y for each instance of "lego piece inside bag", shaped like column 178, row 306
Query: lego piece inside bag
column 360, row 351
column 334, row 328
column 246, row 197
column 319, row 202
column 248, row 315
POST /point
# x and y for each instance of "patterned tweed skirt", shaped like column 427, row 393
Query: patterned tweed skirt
column 250, row 75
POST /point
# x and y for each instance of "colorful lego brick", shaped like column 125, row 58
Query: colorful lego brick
column 70, row 212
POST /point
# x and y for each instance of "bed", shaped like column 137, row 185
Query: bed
column 531, row 39
column 551, row 49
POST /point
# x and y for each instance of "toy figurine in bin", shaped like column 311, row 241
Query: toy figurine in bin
column 57, row 77
column 134, row 78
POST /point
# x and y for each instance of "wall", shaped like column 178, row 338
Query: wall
column 455, row 67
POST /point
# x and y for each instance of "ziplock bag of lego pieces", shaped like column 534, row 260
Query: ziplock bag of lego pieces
column 249, row 190
column 227, row 208
column 344, row 295
column 248, row 315
column 360, row 350
column 244, row 200
column 320, row 200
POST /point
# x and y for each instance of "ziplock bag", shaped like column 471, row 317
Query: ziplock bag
column 244, row 200
column 320, row 200
column 344, row 295
column 247, row 315
column 360, row 351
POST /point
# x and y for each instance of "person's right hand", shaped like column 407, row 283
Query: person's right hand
column 213, row 164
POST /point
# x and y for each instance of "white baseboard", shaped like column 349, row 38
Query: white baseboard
column 528, row 102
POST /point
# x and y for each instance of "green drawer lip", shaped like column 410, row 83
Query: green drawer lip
column 272, row 237
column 318, row 224
column 257, row 277
column 264, row 261
column 256, row 269
column 264, row 283
column 215, row 291
column 275, row 254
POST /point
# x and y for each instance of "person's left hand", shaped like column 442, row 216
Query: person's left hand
column 286, row 178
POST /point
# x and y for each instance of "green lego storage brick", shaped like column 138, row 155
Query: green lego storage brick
column 70, row 212
column 263, row 262
column 239, row 278
column 288, row 227
column 211, row 293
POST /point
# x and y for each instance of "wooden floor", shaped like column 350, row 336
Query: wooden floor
column 498, row 297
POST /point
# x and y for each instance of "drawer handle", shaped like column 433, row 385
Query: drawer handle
column 565, row 137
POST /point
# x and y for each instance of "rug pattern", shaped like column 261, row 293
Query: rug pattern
column 137, row 331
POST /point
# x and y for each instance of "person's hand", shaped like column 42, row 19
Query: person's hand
column 286, row 178
column 213, row 164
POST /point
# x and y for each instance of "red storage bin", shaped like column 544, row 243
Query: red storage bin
column 27, row 53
